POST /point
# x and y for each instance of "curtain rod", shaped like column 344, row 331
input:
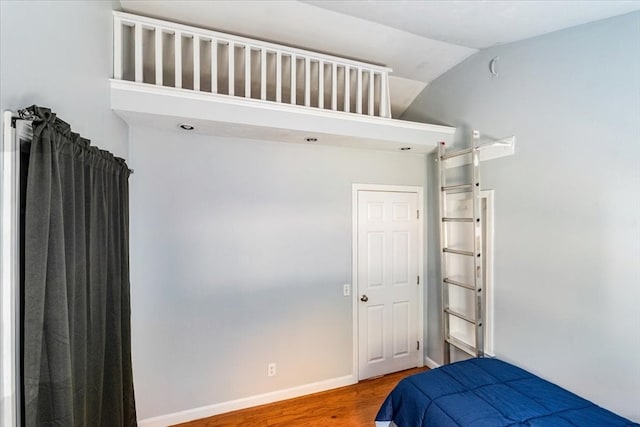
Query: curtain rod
column 28, row 116
column 23, row 114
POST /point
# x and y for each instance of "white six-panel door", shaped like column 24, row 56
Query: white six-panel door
column 387, row 282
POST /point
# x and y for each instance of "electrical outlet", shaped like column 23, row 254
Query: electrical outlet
column 346, row 290
column 271, row 369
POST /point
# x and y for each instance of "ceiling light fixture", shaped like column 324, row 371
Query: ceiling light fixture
column 186, row 126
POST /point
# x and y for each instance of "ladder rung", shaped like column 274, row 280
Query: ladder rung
column 460, row 316
column 449, row 219
column 458, row 252
column 457, row 153
column 467, row 187
column 461, row 284
column 467, row 348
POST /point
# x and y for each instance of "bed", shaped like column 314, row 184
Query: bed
column 488, row 392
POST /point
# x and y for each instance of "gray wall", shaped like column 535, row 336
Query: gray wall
column 57, row 54
column 567, row 243
column 239, row 250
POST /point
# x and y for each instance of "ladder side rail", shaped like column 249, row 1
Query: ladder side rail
column 479, row 256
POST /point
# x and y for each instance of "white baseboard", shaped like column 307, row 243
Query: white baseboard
column 431, row 364
column 246, row 402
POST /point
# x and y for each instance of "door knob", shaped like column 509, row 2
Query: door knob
column 364, row 298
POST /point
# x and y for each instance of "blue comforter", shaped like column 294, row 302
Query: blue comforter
column 492, row 393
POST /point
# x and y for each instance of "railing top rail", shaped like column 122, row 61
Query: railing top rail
column 223, row 37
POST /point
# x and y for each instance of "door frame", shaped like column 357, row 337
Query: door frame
column 9, row 278
column 354, row 264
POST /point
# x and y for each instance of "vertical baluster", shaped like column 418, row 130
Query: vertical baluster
column 320, row 84
column 334, row 86
column 232, row 68
column 383, row 96
column 247, row 71
column 137, row 43
column 214, row 65
column 117, row 48
column 359, row 91
column 347, row 88
column 387, row 95
column 178, row 51
column 263, row 73
column 196, row 63
column 293, row 78
column 159, row 64
column 372, row 88
column 307, row 81
column 278, row 76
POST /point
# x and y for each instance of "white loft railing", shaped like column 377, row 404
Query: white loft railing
column 166, row 54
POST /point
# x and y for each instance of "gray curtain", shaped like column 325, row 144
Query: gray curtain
column 76, row 330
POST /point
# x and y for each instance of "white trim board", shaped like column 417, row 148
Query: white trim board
column 354, row 262
column 246, row 402
column 430, row 363
column 165, row 108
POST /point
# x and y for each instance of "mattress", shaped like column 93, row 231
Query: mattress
column 492, row 393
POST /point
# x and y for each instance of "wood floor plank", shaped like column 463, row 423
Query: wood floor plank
column 352, row 406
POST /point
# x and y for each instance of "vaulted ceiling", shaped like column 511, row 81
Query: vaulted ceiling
column 420, row 40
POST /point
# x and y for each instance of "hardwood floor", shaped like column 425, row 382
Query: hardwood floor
column 352, row 406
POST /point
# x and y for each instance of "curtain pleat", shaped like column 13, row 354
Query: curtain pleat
column 77, row 339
